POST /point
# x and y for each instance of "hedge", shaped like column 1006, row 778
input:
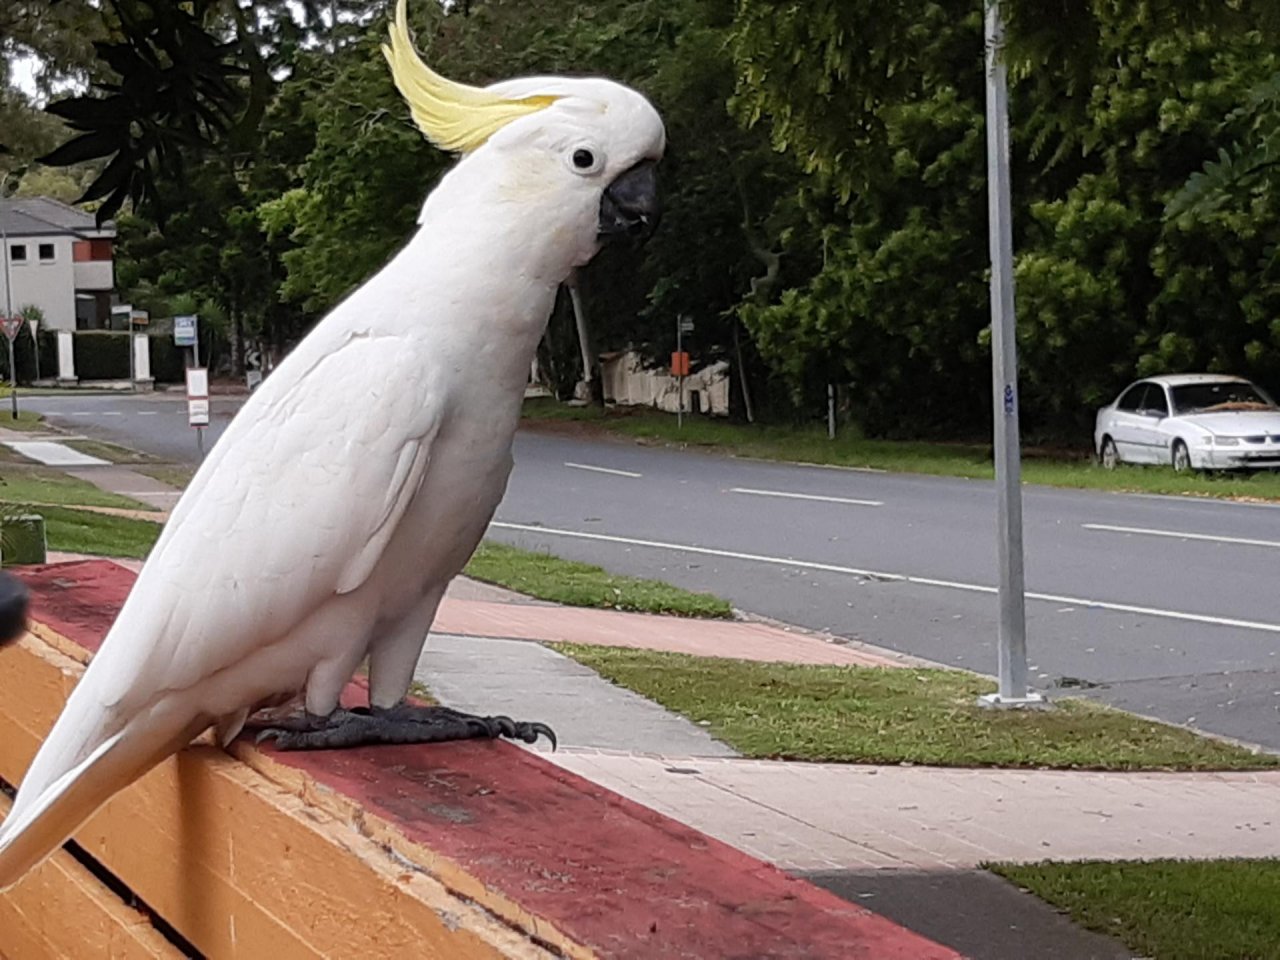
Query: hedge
column 101, row 354
column 24, row 355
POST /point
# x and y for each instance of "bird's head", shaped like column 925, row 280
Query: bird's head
column 579, row 154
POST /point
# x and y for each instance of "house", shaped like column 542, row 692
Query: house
column 56, row 258
column 628, row 382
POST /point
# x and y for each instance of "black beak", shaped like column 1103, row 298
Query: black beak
column 630, row 207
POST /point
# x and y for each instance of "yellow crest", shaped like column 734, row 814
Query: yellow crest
column 453, row 116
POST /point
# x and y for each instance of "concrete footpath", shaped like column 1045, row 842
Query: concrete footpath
column 905, row 841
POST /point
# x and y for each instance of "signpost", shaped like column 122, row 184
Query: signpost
column 11, row 326
column 34, row 324
column 198, row 403
column 680, row 362
column 186, row 334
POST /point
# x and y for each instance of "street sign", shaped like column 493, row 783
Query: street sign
column 686, row 325
column 11, row 326
column 184, row 331
column 198, row 396
column 680, row 364
column 198, row 411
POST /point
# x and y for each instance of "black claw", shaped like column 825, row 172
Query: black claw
column 530, row 732
column 401, row 724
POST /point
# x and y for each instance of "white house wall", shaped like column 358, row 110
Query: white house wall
column 94, row 275
column 49, row 286
column 627, row 383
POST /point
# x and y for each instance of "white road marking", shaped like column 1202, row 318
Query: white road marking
column 147, row 413
column 806, row 496
column 112, row 413
column 53, row 454
column 897, row 577
column 1176, row 535
column 609, row 470
column 1205, row 501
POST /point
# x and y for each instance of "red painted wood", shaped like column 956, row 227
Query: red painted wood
column 620, row 878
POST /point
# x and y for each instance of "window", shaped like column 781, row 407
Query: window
column 18, row 253
column 1154, row 401
column 1131, row 399
column 1220, row 395
column 46, row 252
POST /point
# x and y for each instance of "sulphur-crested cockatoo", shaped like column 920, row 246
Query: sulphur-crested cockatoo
column 357, row 480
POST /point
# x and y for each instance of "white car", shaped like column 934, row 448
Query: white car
column 1194, row 421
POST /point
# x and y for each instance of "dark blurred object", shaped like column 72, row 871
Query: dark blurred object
column 15, row 602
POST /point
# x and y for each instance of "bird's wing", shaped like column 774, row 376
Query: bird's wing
column 296, row 505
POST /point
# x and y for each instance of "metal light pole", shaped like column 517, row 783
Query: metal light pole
column 1012, row 636
column 8, row 312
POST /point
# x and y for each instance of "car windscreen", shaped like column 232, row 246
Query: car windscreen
column 1222, row 395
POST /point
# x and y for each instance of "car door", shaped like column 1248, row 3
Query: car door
column 1153, row 408
column 1128, row 425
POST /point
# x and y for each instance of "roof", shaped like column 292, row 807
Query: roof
column 1183, row 379
column 44, row 216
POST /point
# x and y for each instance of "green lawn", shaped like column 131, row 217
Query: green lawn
column 898, row 715
column 584, row 585
column 173, row 474
column 111, row 452
column 27, row 421
column 810, row 445
column 1168, row 909
column 82, row 531
column 40, row 485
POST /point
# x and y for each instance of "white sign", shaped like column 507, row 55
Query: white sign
column 34, row 324
column 198, row 411
column 197, row 383
column 184, row 331
column 11, row 326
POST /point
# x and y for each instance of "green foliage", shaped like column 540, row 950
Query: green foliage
column 885, row 107
column 825, row 183
column 101, row 355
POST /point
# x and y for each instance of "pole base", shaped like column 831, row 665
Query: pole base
column 1032, row 701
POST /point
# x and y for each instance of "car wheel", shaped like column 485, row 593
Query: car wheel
column 1181, row 457
column 1110, row 455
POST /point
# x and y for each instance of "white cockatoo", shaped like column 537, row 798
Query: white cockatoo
column 358, row 479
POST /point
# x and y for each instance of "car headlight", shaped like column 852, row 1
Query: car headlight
column 1226, row 441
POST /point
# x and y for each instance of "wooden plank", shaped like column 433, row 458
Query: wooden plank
column 241, row 867
column 63, row 911
column 542, row 855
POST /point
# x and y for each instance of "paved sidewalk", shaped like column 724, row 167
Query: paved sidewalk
column 808, row 816
column 130, row 483
column 531, row 682
column 742, row 640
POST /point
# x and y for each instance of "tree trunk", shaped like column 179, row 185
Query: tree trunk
column 742, row 373
column 589, row 363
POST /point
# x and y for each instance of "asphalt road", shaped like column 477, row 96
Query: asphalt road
column 1166, row 606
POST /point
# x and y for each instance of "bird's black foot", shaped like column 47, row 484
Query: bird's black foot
column 403, row 723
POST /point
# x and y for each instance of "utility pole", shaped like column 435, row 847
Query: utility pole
column 9, row 320
column 1012, row 635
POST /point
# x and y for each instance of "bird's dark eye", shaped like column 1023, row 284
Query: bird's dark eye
column 584, row 159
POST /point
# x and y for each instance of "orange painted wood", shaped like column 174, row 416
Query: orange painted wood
column 239, row 866
column 61, row 910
